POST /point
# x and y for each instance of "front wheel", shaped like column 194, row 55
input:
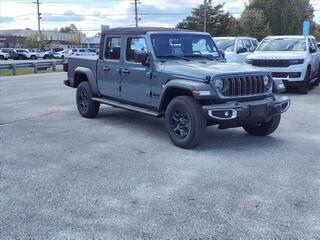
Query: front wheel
column 33, row 57
column 264, row 129
column 86, row 106
column 304, row 87
column 185, row 122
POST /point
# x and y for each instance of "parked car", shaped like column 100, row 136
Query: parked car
column 4, row 56
column 236, row 48
column 175, row 74
column 27, row 54
column 13, row 53
column 61, row 54
column 293, row 59
column 82, row 52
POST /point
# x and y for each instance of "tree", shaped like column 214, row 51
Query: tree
column 315, row 30
column 219, row 22
column 69, row 29
column 254, row 23
column 284, row 16
column 97, row 35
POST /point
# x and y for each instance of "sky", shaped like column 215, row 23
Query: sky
column 89, row 15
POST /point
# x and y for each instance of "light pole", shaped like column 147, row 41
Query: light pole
column 205, row 15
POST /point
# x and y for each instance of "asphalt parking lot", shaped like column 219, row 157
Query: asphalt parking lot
column 118, row 176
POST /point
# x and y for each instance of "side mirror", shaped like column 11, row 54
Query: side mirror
column 242, row 50
column 222, row 53
column 140, row 56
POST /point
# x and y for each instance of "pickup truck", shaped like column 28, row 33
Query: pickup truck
column 293, row 59
column 179, row 75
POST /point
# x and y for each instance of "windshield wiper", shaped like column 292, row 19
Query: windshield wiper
column 176, row 56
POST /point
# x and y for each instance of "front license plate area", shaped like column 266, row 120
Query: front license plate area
column 258, row 110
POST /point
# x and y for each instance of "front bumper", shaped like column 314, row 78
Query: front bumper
column 235, row 114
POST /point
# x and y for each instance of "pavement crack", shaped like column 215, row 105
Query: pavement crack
column 27, row 119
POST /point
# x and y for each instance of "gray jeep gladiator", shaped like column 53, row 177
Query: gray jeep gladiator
column 179, row 75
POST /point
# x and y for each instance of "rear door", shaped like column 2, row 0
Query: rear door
column 108, row 69
column 135, row 77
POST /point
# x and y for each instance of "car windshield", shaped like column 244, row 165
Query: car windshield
column 282, row 44
column 184, row 45
column 225, row 44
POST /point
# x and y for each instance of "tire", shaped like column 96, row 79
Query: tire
column 20, row 57
column 316, row 83
column 33, row 57
column 45, row 57
column 304, row 87
column 62, row 57
column 265, row 128
column 1, row 57
column 185, row 122
column 86, row 106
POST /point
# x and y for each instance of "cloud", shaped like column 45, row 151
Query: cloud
column 67, row 16
column 6, row 19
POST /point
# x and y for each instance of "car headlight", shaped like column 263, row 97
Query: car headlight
column 218, row 83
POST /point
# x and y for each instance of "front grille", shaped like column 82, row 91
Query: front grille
column 244, row 86
column 270, row 63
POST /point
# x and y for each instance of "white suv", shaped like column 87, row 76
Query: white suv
column 236, row 48
column 293, row 59
column 27, row 54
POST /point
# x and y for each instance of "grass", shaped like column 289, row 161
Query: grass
column 23, row 71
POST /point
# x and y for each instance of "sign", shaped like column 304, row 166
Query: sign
column 306, row 28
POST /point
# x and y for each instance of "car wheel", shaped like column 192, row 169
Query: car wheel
column 20, row 57
column 33, row 57
column 1, row 57
column 317, row 82
column 304, row 87
column 86, row 106
column 62, row 57
column 45, row 57
column 185, row 122
column 265, row 128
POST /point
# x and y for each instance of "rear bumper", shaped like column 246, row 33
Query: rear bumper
column 235, row 114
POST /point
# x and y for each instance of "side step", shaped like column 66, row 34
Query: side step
column 126, row 106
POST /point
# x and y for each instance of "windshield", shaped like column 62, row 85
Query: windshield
column 225, row 44
column 282, row 44
column 182, row 45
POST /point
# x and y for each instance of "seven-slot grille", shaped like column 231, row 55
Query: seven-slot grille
column 244, row 86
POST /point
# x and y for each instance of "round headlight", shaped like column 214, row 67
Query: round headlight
column 266, row 81
column 218, row 84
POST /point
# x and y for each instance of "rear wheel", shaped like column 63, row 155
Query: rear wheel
column 184, row 122
column 86, row 106
column 264, row 129
column 304, row 87
column 33, row 57
column 1, row 57
column 46, row 56
column 21, row 57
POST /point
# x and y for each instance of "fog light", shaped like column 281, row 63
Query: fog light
column 227, row 113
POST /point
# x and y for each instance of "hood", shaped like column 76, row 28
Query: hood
column 199, row 70
column 277, row 55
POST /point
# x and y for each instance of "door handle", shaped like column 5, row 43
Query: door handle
column 106, row 68
column 125, row 71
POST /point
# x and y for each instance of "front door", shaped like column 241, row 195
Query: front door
column 108, row 69
column 135, row 77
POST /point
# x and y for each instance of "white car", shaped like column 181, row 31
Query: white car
column 61, row 54
column 236, row 49
column 293, row 59
column 4, row 56
column 27, row 54
column 82, row 52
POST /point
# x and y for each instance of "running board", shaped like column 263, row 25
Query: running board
column 126, row 106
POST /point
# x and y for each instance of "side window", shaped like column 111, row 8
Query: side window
column 311, row 46
column 138, row 43
column 315, row 44
column 239, row 45
column 81, row 50
column 247, row 44
column 113, row 48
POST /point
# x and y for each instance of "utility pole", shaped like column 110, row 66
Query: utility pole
column 205, row 15
column 136, row 11
column 39, row 16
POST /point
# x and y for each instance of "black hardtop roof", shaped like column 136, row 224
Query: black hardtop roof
column 142, row 30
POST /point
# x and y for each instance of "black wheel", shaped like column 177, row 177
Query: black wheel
column 86, row 106
column 45, row 56
column 33, row 57
column 317, row 82
column 1, row 57
column 184, row 122
column 265, row 128
column 21, row 57
column 304, row 87
column 62, row 57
